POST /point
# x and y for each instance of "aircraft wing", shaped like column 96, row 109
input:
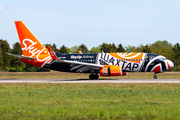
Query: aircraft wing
column 78, row 66
column 20, row 56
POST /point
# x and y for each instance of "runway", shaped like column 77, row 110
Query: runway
column 89, row 81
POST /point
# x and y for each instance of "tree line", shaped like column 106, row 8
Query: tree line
column 10, row 63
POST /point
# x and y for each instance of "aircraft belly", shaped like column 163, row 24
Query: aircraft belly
column 59, row 67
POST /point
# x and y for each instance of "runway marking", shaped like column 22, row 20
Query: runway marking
column 89, row 81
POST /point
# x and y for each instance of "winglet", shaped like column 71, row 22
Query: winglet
column 79, row 52
column 54, row 57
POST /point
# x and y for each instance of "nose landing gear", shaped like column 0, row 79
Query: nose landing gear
column 155, row 76
column 93, row 76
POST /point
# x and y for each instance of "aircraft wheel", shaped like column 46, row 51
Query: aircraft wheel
column 91, row 76
column 155, row 76
column 96, row 76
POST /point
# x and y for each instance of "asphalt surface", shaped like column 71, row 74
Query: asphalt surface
column 89, row 81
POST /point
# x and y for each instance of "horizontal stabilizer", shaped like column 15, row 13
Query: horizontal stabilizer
column 20, row 56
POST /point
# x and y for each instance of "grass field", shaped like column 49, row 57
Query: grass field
column 90, row 101
column 64, row 75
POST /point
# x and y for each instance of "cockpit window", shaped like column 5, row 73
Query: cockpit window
column 162, row 59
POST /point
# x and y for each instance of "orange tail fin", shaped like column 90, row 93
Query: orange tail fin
column 31, row 47
column 27, row 40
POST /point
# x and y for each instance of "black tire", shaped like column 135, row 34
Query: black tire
column 96, row 76
column 91, row 76
column 155, row 77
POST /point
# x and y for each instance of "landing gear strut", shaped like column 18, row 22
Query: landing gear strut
column 155, row 76
column 93, row 76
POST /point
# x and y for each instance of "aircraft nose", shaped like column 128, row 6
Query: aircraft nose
column 170, row 64
column 173, row 63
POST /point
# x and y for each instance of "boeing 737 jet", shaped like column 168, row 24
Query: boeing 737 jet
column 105, row 64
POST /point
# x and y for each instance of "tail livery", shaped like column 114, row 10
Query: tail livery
column 31, row 47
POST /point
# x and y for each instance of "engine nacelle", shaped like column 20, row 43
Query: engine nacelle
column 111, row 71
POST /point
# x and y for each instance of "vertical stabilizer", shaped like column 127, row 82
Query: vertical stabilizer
column 31, row 47
column 28, row 41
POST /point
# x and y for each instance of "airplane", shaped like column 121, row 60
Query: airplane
column 104, row 64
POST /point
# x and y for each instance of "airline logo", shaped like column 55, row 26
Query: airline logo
column 81, row 56
column 31, row 47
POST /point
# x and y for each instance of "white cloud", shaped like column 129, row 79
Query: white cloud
column 1, row 7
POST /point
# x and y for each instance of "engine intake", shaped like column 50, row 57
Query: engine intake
column 112, row 71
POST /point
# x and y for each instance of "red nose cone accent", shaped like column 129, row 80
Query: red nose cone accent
column 157, row 69
column 168, row 65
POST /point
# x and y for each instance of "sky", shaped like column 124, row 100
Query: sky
column 92, row 22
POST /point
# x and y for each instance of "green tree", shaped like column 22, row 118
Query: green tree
column 16, row 62
column 130, row 48
column 107, row 48
column 146, row 49
column 54, row 47
column 5, row 49
column 64, row 49
column 74, row 49
column 120, row 48
column 176, row 55
column 96, row 49
column 83, row 48
column 113, row 48
column 162, row 48
column 1, row 59
column 139, row 48
column 17, row 48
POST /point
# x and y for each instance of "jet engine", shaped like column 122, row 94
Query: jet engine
column 112, row 71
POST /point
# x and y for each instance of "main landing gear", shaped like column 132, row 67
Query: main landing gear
column 155, row 76
column 93, row 76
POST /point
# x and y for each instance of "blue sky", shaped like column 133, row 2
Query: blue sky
column 92, row 22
